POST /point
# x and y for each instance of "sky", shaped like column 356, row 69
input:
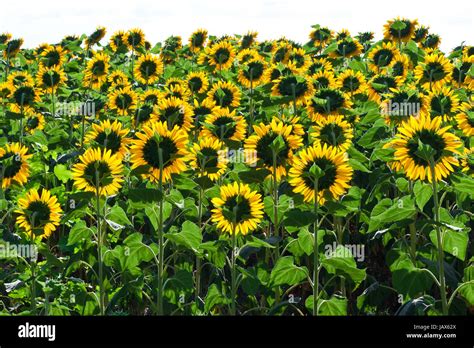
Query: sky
column 50, row 20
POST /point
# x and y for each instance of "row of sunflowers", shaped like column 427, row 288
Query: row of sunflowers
column 234, row 176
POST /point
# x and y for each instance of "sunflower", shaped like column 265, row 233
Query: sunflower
column 294, row 122
column 294, row 86
column 399, row 29
column 320, row 36
column 400, row 67
column 4, row 38
column 247, row 54
column 6, row 90
column 343, row 34
column 117, row 41
column 238, row 210
column 420, row 33
column 261, row 141
column 197, row 82
column 52, row 56
column 465, row 119
column 95, row 37
column 327, row 101
column 383, row 56
column 333, row 131
column 176, row 112
column 95, row 74
column 434, row 72
column 401, row 103
column 118, row 79
column 109, row 136
column 151, row 96
column 20, row 78
column 252, row 73
column 336, row 178
column 158, row 138
column 223, row 124
column 197, row 40
column 25, row 98
column 430, row 43
column 134, row 39
column 323, row 79
column 14, row 167
column 206, row 157
column 51, row 78
column 442, row 102
column 351, row 82
column 319, row 64
column 98, row 171
column 123, row 101
column 221, row 55
column 347, row 48
column 276, row 71
column 248, row 39
column 39, row 213
column 203, row 109
column 382, row 84
column 467, row 162
column 176, row 90
column 148, row 69
column 12, row 49
column 225, row 94
column 299, row 60
column 468, row 54
column 423, row 130
column 281, row 52
column 34, row 122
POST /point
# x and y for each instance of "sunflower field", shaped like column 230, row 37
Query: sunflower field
column 232, row 176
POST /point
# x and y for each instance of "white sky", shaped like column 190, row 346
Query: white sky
column 50, row 20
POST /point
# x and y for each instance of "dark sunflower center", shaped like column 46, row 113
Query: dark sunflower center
column 225, row 98
column 144, row 113
column 332, row 134
column 298, row 59
column 51, row 58
column 24, row 96
column 383, row 57
column 350, row 83
column 123, row 101
column 237, row 209
column 147, row 69
column 459, row 74
column 280, row 55
column 441, row 105
column 10, row 164
column 346, row 48
column 265, row 153
column 173, row 115
column 247, row 40
column 224, row 127
column 110, row 141
column 222, row 55
column 151, row 151
column 329, row 177
column 290, row 85
column 98, row 173
column 384, row 83
column 202, row 111
column 321, row 82
column 254, row 71
column 51, row 79
column 327, row 101
column 402, row 33
column 198, row 39
column 195, row 84
column 434, row 72
column 315, row 67
column 398, row 69
column 428, row 138
column 151, row 99
column 98, row 68
column 134, row 39
column 39, row 214
column 32, row 123
column 209, row 158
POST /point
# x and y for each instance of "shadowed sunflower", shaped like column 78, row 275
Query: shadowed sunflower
column 420, row 132
column 420, row 33
column 319, row 64
column 50, row 79
column 34, row 122
column 434, row 72
column 207, row 159
column 320, row 36
column 158, row 138
column 382, row 56
column 468, row 54
column 399, row 29
column 148, row 69
column 202, row 109
column 327, row 101
column 95, row 74
column 24, row 99
column 333, row 131
column 4, row 38
column 176, row 112
column 247, row 55
column 134, row 39
column 402, row 103
column 351, row 82
column 298, row 60
column 347, row 48
column 382, row 84
column 197, row 82
column 251, row 73
column 238, row 210
column 95, row 37
column 6, row 90
column 336, row 177
column 281, row 52
column 176, row 89
column 225, row 94
column 118, row 79
column 221, row 55
column 248, row 39
column 20, row 78
column 323, row 79
column 465, row 119
column 123, row 101
column 293, row 86
column 261, row 143
column 14, row 167
column 39, row 214
column 117, row 42
column 430, row 43
column 197, row 40
column 400, row 67
column 223, row 124
column 98, row 171
column 109, row 136
column 52, row 56
column 12, row 49
column 442, row 102
column 467, row 162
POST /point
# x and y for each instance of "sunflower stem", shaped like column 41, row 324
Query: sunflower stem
column 99, row 251
column 160, row 236
column 316, row 250
column 413, row 240
column 233, row 308
column 275, row 217
column 439, row 239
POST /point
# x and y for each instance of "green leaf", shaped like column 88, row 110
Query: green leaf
column 463, row 184
column 117, row 218
column 254, row 175
column 299, row 218
column 62, row 173
column 454, row 242
column 402, row 209
column 341, row 262
column 286, row 272
column 189, row 237
column 79, row 232
column 335, row 306
column 145, row 195
column 213, row 298
column 423, row 193
column 153, row 213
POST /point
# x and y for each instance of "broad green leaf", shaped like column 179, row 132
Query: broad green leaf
column 286, row 272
